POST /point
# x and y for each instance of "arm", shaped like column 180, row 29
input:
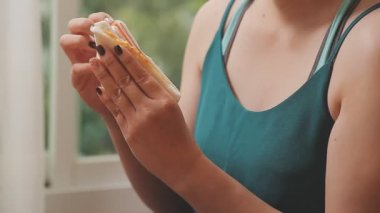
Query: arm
column 353, row 161
column 153, row 192
column 157, row 195
column 353, row 165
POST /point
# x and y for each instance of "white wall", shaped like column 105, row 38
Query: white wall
column 2, row 77
column 21, row 109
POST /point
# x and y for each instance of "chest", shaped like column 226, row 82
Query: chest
column 266, row 66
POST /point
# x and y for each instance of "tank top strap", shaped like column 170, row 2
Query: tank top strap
column 225, row 16
column 349, row 28
column 232, row 28
column 331, row 37
column 333, row 33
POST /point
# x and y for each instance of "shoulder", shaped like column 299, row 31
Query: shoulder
column 362, row 48
column 210, row 14
column 205, row 25
column 209, row 17
column 364, row 36
column 357, row 66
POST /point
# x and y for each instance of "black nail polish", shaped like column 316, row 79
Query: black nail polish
column 118, row 50
column 92, row 44
column 101, row 50
column 99, row 91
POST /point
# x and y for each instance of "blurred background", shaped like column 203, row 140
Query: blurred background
column 56, row 156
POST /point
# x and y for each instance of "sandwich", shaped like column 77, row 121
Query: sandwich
column 112, row 33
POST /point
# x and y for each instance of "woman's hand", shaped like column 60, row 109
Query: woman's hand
column 149, row 118
column 80, row 47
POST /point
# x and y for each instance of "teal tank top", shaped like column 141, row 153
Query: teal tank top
column 278, row 154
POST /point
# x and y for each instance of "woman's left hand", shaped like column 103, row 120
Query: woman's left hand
column 149, row 118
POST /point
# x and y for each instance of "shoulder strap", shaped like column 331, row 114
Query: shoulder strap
column 232, row 28
column 349, row 28
column 333, row 33
column 225, row 16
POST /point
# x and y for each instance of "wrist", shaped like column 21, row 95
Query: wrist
column 196, row 171
column 207, row 183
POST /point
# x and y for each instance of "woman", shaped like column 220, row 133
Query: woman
column 264, row 139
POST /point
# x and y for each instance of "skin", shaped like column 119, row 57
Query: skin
column 166, row 162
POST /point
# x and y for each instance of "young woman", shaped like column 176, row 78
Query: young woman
column 279, row 109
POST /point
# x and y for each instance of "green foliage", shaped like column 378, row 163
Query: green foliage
column 94, row 139
column 161, row 29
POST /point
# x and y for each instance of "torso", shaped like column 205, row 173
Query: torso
column 261, row 123
column 267, row 64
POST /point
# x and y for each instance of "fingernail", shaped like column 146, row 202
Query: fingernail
column 99, row 91
column 101, row 50
column 118, row 50
column 92, row 44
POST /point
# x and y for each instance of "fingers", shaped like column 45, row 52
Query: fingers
column 144, row 80
column 80, row 26
column 118, row 114
column 79, row 45
column 122, row 77
column 111, row 89
column 79, row 72
column 105, row 78
column 76, row 48
column 71, row 42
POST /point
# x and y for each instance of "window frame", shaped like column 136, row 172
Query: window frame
column 65, row 167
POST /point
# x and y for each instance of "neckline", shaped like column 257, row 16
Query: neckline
column 277, row 106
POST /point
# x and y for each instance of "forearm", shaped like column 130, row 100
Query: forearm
column 153, row 192
column 209, row 189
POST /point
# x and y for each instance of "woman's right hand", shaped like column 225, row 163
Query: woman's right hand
column 80, row 48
